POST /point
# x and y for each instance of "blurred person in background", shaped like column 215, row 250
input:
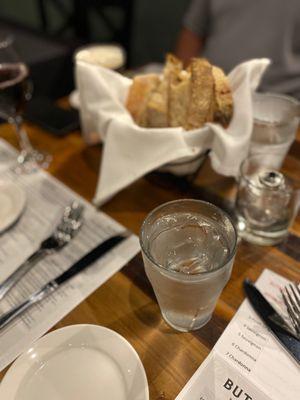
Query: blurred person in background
column 228, row 32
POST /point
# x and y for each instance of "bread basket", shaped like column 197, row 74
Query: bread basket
column 131, row 151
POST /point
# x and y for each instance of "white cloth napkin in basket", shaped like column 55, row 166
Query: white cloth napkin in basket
column 131, row 151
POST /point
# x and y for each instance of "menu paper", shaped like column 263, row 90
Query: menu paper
column 247, row 362
column 46, row 199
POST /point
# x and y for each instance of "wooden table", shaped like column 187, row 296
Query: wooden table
column 126, row 302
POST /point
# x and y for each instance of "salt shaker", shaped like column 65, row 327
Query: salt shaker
column 266, row 202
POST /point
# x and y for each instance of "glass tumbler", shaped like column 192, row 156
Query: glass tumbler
column 276, row 120
column 188, row 248
column 266, row 202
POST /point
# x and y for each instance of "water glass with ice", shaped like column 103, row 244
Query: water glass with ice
column 188, row 248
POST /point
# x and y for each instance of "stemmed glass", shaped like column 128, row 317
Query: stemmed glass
column 15, row 91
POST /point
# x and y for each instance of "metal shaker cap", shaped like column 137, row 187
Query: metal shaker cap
column 272, row 179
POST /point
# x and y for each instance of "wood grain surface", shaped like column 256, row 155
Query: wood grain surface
column 126, row 302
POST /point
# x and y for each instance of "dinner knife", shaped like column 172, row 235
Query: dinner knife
column 273, row 320
column 54, row 284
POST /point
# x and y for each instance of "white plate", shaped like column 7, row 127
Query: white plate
column 79, row 362
column 12, row 203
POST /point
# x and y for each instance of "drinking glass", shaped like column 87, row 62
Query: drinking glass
column 15, row 91
column 266, row 202
column 276, row 120
column 188, row 248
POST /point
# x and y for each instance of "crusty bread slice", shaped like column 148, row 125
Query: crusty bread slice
column 157, row 107
column 138, row 96
column 179, row 97
column 173, row 67
column 201, row 103
column 223, row 97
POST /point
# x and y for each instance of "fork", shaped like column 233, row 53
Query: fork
column 64, row 232
column 291, row 298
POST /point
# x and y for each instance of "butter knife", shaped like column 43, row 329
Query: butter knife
column 54, row 284
column 273, row 320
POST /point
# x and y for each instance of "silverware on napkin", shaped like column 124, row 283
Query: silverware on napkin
column 280, row 329
column 64, row 232
column 54, row 284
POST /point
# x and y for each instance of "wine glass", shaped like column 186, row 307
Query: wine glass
column 15, row 91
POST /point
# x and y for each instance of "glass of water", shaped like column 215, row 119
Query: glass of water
column 266, row 202
column 188, row 248
column 276, row 120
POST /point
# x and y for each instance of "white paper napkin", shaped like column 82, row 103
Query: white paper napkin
column 131, row 151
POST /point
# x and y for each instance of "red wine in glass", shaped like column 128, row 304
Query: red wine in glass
column 14, row 91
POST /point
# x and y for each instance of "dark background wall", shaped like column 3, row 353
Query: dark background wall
column 155, row 23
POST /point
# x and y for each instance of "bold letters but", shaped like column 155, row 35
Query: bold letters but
column 236, row 391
